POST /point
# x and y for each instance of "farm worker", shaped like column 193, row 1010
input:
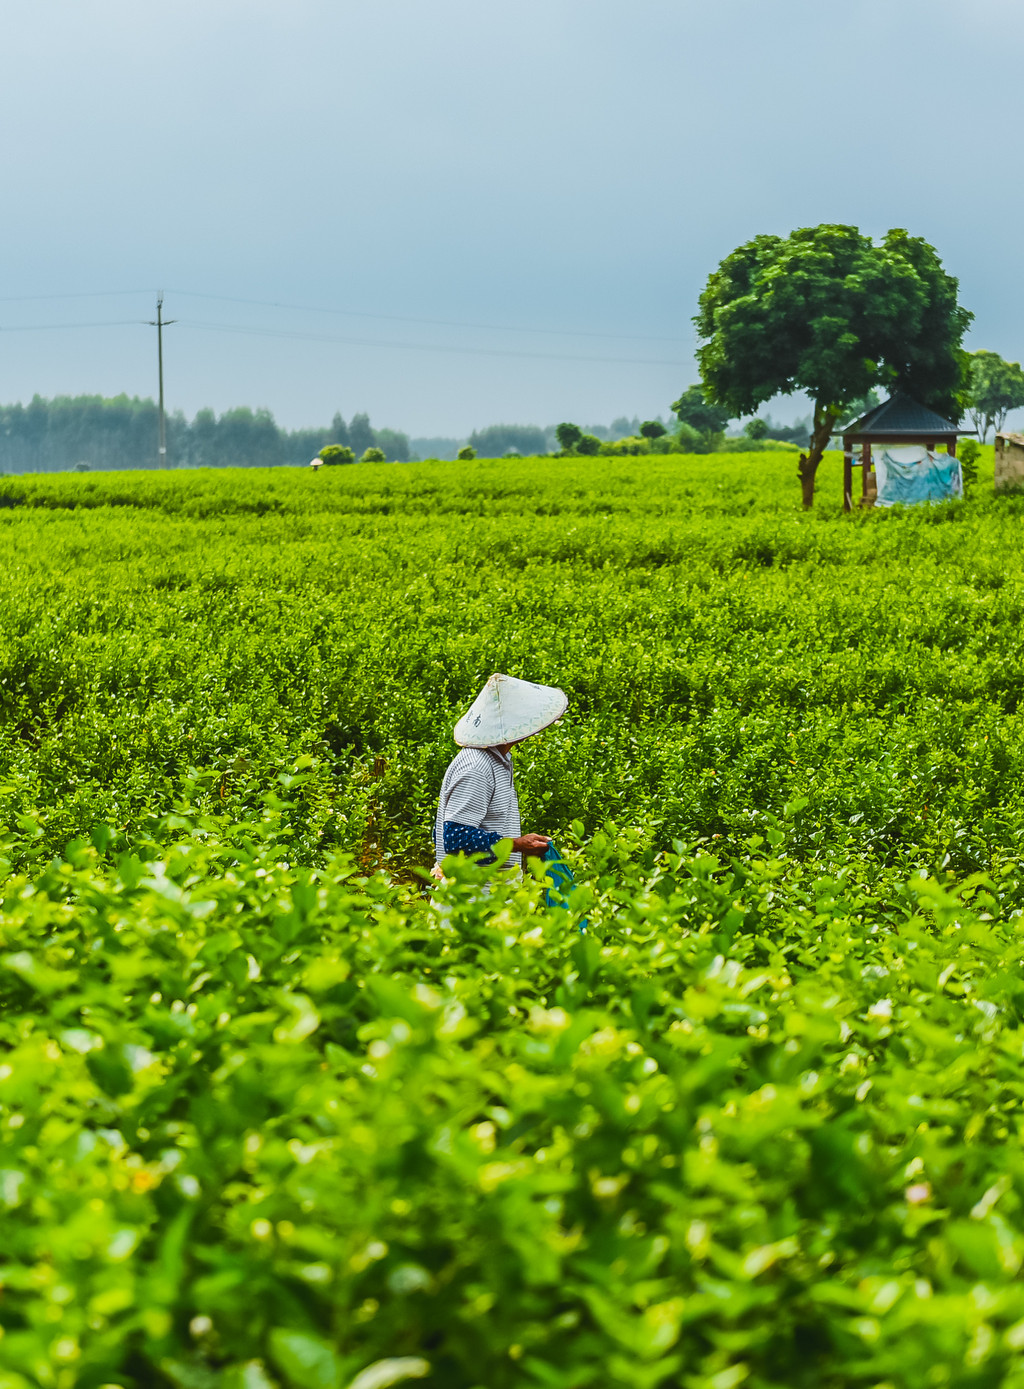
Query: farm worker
column 478, row 804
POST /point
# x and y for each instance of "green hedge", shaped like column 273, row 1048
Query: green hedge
column 271, row 1118
column 267, row 1124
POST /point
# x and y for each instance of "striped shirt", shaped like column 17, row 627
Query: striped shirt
column 479, row 790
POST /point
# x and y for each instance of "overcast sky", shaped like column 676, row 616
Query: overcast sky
column 459, row 213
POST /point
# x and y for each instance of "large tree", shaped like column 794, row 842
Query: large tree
column 361, row 435
column 996, row 387
column 568, row 435
column 693, row 409
column 828, row 311
column 395, row 444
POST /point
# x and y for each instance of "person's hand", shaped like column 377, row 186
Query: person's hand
column 531, row 844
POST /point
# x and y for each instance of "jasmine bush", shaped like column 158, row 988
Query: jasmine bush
column 272, row 1118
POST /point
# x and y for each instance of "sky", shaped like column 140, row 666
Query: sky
column 454, row 214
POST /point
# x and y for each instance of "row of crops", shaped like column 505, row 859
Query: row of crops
column 270, row 1118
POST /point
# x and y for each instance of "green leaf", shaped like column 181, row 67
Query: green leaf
column 110, row 1069
column 41, row 977
column 251, row 1375
column 383, row 1373
column 305, row 1360
column 302, row 1018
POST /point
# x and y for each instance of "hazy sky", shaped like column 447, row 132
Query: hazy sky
column 476, row 212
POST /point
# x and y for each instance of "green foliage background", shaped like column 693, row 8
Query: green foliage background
column 86, row 432
column 269, row 1118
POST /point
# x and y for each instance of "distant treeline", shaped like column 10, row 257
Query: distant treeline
column 92, row 432
column 497, row 440
column 96, row 432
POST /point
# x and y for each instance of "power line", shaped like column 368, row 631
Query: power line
column 96, row 294
column 304, row 336
column 422, row 347
column 48, row 327
column 350, row 313
column 350, row 342
column 326, row 309
column 433, row 322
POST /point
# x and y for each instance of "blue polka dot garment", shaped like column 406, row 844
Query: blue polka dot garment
column 467, row 839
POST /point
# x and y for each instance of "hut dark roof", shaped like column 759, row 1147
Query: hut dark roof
column 900, row 415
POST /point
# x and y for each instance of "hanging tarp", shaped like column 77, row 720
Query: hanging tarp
column 907, row 476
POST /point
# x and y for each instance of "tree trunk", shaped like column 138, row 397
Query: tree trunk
column 806, row 468
column 825, row 417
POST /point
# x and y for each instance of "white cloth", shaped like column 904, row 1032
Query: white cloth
column 908, row 475
column 479, row 789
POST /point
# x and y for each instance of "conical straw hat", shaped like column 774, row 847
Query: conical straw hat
column 506, row 710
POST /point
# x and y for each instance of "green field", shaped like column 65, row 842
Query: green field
column 271, row 1119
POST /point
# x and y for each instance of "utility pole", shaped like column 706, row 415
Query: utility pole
column 160, row 323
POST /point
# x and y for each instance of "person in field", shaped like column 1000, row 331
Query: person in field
column 478, row 804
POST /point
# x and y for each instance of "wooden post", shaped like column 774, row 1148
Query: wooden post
column 847, row 475
column 865, row 470
column 951, row 446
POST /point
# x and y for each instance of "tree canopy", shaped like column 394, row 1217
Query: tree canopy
column 694, row 409
column 828, row 311
column 996, row 387
column 394, row 444
column 496, row 440
column 360, row 434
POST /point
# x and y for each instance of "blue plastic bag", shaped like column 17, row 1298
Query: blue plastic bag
column 559, row 874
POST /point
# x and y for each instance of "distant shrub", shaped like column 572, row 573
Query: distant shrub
column 969, row 451
column 466, row 454
column 568, row 435
column 512, row 453
column 373, row 455
column 687, row 439
column 588, row 444
column 744, row 444
column 629, row 447
column 755, row 429
column 652, row 429
column 334, row 454
column 710, row 441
